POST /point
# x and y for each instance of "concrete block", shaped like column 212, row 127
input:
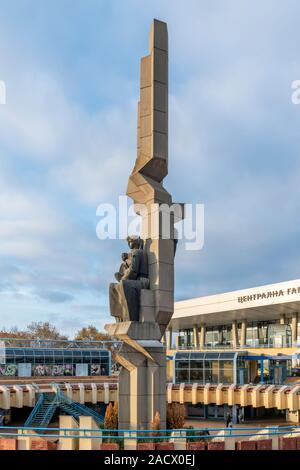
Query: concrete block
column 146, row 126
column 92, row 443
column 160, row 122
column 147, row 314
column 133, row 330
column 161, row 277
column 264, row 444
column 160, row 101
column 246, row 445
column 196, row 445
column 158, row 37
column 165, row 446
column 178, row 438
column 146, row 146
column 147, row 298
column 8, row 444
column 68, row 443
column 43, row 444
column 145, row 446
column 24, row 441
column 216, row 445
column 162, row 250
column 160, row 66
column 160, row 145
column 109, row 446
column 130, row 441
column 287, row 443
column 145, row 72
column 146, row 102
column 165, row 301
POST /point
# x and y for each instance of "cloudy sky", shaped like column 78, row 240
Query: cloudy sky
column 68, row 134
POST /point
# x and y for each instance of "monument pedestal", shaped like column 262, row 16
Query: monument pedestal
column 142, row 380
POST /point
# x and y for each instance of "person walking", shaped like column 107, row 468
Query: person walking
column 228, row 419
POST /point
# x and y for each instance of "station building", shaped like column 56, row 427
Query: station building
column 249, row 336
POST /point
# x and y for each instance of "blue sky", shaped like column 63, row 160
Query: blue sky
column 67, row 144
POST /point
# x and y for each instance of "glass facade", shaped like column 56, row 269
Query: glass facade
column 262, row 334
column 219, row 336
column 186, row 339
column 230, row 367
column 210, row 367
column 54, row 362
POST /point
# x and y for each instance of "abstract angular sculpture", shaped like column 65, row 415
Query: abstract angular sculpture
column 143, row 299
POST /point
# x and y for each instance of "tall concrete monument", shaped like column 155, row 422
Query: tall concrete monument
column 142, row 299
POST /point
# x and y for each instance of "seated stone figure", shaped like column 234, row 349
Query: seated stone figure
column 124, row 297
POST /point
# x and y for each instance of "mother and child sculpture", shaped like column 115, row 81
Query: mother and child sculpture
column 132, row 276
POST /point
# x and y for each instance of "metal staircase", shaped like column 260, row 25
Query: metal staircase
column 43, row 411
column 49, row 402
column 76, row 409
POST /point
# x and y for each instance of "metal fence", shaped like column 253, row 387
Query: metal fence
column 146, row 434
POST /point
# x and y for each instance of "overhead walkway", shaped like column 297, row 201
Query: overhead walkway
column 49, row 403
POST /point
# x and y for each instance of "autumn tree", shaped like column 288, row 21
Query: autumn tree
column 111, row 419
column 175, row 416
column 91, row 333
column 35, row 330
column 13, row 332
column 44, row 330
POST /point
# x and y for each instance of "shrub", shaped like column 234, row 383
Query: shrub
column 111, row 420
column 155, row 425
column 196, row 436
column 175, row 416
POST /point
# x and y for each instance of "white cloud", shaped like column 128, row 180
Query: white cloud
column 231, row 69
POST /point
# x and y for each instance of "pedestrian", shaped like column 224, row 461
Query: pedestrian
column 228, row 419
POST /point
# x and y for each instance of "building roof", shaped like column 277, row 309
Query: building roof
column 266, row 302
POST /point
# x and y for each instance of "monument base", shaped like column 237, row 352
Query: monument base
column 142, row 379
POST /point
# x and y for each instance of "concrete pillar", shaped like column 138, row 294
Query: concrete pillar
column 85, row 443
column 81, row 393
column 229, row 440
column 177, row 341
column 196, row 336
column 130, row 441
column 68, row 443
column 169, row 338
column 5, row 400
column 29, row 398
column 244, row 333
column 24, row 442
column 18, row 396
column 234, row 413
column 94, row 393
column 202, row 337
column 294, row 328
column 235, row 340
column 180, row 441
column 282, row 319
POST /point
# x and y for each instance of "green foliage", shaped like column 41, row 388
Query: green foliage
column 195, row 436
